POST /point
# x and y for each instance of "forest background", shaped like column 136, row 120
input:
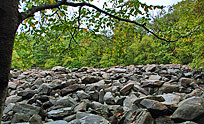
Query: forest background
column 123, row 44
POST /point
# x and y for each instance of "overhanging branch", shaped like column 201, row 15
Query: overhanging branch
column 30, row 13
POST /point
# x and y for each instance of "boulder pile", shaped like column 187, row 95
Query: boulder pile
column 141, row 94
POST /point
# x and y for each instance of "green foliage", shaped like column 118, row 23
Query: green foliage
column 52, row 63
column 64, row 42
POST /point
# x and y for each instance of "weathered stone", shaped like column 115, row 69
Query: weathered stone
column 27, row 94
column 164, row 120
column 35, row 119
column 70, row 118
column 70, row 89
column 90, row 79
column 101, row 96
column 90, row 119
column 129, row 100
column 152, row 83
column 126, row 89
column 99, row 85
column 156, row 108
column 171, row 99
column 122, row 95
column 59, row 113
column 28, row 109
column 117, row 70
column 80, row 107
column 154, row 77
column 8, row 108
column 82, row 95
column 12, row 85
column 64, row 102
column 144, row 117
column 168, row 88
column 94, row 95
column 13, row 99
column 20, row 117
column 185, row 82
column 109, row 99
column 149, row 68
column 58, row 69
column 189, row 109
column 44, row 89
column 38, row 81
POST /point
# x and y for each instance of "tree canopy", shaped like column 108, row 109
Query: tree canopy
column 71, row 35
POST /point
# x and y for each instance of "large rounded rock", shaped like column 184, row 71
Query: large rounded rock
column 189, row 109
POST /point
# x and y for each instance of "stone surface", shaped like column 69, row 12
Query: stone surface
column 189, row 109
column 135, row 94
column 35, row 119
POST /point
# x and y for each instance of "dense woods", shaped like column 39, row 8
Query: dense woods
column 123, row 44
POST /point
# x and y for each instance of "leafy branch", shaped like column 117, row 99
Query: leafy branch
column 30, row 13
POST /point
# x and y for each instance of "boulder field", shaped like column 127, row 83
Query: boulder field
column 135, row 94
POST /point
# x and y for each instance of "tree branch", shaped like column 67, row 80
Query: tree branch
column 30, row 13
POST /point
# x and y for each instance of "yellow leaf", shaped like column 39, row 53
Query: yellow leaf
column 125, row 33
column 85, row 30
column 51, row 1
column 98, row 52
column 25, row 21
column 113, row 51
column 115, row 31
column 23, row 65
column 32, row 25
column 135, row 36
column 166, row 36
column 58, row 51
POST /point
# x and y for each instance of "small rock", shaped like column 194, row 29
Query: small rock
column 126, row 89
column 109, row 99
column 171, row 99
column 185, row 82
column 144, row 117
column 58, row 69
column 59, row 113
column 13, row 99
column 35, row 119
column 90, row 79
column 155, row 107
column 20, row 117
column 44, row 89
column 70, row 89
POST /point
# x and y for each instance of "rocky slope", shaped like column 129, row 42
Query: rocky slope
column 143, row 94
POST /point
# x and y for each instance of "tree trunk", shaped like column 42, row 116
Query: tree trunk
column 8, row 27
